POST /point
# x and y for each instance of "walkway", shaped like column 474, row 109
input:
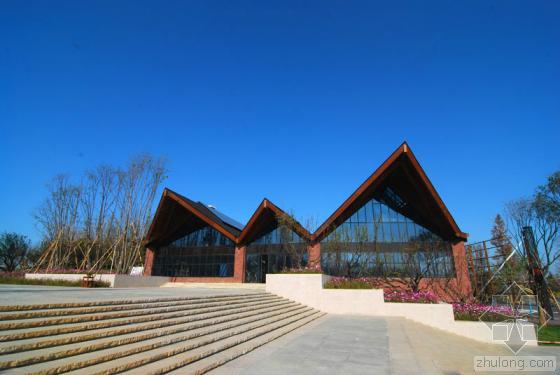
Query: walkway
column 362, row 345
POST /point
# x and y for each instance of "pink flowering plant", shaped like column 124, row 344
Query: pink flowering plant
column 304, row 270
column 408, row 296
column 477, row 311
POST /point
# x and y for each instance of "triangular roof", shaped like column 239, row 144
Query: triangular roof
column 262, row 220
column 403, row 174
column 400, row 174
column 172, row 218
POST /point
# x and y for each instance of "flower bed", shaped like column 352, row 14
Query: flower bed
column 352, row 283
column 405, row 296
column 476, row 312
column 303, row 270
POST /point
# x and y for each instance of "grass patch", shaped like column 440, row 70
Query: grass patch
column 475, row 317
column 302, row 270
column 549, row 333
column 48, row 282
column 348, row 284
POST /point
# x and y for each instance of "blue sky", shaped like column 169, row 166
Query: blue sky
column 294, row 101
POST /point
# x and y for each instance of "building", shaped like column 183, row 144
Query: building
column 394, row 227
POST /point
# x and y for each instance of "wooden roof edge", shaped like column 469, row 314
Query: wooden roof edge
column 435, row 195
column 405, row 151
column 326, row 226
column 266, row 204
column 147, row 238
column 170, row 194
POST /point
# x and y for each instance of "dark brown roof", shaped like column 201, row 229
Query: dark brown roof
column 177, row 215
column 264, row 219
column 400, row 174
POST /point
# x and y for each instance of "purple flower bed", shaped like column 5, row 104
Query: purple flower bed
column 477, row 311
column 410, row 297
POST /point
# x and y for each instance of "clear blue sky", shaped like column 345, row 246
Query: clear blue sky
column 295, row 101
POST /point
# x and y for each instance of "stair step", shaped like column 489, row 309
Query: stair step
column 70, row 350
column 35, row 344
column 206, row 358
column 165, row 356
column 51, row 306
column 41, row 322
column 221, row 357
column 17, row 315
column 143, row 336
column 70, row 328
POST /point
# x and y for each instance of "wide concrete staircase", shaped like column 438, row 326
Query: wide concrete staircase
column 152, row 336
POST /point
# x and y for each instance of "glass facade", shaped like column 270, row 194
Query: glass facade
column 379, row 241
column 202, row 253
column 273, row 251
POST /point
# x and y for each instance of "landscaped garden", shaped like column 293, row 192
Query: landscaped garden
column 477, row 311
column 303, row 270
column 352, row 283
column 19, row 279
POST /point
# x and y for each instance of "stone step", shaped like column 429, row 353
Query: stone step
column 4, row 308
column 17, row 315
column 70, row 338
column 166, row 356
column 222, row 356
column 69, row 350
column 111, row 337
column 206, row 358
column 72, row 328
column 92, row 362
column 42, row 322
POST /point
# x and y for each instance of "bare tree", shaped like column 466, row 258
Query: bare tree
column 291, row 242
column 101, row 222
column 538, row 213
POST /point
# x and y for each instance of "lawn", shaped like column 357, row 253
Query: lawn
column 549, row 333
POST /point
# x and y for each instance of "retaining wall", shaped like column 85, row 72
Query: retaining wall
column 308, row 289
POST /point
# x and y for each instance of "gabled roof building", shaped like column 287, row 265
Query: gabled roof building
column 394, row 225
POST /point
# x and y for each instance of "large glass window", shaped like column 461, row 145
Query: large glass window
column 379, row 241
column 272, row 252
column 202, row 253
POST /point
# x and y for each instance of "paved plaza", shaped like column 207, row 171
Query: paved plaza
column 338, row 344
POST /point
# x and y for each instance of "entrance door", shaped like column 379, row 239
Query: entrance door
column 263, row 268
column 256, row 268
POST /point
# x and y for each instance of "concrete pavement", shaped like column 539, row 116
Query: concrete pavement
column 338, row 344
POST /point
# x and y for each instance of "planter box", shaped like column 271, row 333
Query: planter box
column 308, row 289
